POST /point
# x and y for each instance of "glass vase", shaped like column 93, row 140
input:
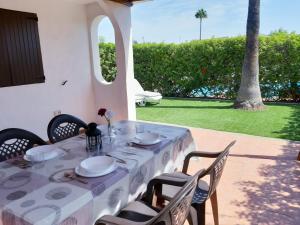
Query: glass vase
column 109, row 129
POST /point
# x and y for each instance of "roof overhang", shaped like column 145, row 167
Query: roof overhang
column 127, row 2
column 124, row 2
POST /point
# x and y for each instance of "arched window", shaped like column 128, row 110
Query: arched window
column 104, row 50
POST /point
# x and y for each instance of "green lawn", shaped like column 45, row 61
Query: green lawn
column 278, row 120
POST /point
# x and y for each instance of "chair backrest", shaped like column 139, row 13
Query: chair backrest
column 216, row 169
column 14, row 142
column 176, row 212
column 64, row 126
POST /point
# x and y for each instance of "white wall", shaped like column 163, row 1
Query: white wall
column 119, row 95
column 64, row 39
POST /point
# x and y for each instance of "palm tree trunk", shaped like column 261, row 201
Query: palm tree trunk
column 249, row 95
column 200, row 28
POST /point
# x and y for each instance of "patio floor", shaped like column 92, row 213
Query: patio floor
column 260, row 184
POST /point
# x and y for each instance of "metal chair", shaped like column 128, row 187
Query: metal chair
column 64, row 126
column 169, row 183
column 14, row 142
column 143, row 213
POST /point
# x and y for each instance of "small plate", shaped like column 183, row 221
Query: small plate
column 79, row 171
column 42, row 153
column 146, row 139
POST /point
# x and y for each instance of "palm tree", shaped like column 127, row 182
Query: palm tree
column 201, row 14
column 249, row 95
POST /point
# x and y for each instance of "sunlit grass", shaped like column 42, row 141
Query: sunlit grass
column 277, row 121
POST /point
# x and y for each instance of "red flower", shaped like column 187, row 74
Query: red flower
column 101, row 112
column 204, row 70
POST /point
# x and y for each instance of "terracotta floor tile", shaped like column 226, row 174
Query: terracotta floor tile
column 260, row 184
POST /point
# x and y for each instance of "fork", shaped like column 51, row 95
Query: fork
column 118, row 159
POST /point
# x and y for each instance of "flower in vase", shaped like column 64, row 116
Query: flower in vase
column 101, row 112
column 107, row 114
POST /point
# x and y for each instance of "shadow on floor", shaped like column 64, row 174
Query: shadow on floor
column 291, row 157
column 276, row 199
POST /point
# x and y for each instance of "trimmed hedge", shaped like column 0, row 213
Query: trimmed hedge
column 212, row 68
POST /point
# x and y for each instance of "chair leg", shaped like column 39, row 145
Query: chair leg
column 192, row 217
column 214, row 205
column 158, row 201
column 200, row 208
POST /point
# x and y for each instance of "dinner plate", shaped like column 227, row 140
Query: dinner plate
column 97, row 164
column 79, row 171
column 42, row 153
column 146, row 139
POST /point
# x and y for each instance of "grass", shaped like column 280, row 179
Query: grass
column 277, row 121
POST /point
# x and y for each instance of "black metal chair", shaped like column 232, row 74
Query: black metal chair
column 143, row 213
column 64, row 126
column 166, row 184
column 14, row 142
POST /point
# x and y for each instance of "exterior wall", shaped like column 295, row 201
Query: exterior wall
column 64, row 39
column 70, row 52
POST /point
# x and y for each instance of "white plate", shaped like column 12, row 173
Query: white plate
column 146, row 139
column 42, row 153
column 97, row 164
column 79, row 171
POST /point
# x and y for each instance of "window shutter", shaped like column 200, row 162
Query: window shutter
column 5, row 74
column 20, row 48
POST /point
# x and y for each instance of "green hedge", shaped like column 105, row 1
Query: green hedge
column 213, row 67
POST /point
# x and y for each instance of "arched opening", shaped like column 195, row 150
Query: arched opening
column 104, row 50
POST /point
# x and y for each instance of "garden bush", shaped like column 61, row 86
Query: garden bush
column 213, row 67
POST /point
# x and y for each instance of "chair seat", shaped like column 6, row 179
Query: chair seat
column 138, row 212
column 169, row 191
column 142, row 213
column 148, row 95
column 151, row 94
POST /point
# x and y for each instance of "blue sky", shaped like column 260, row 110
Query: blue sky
column 174, row 21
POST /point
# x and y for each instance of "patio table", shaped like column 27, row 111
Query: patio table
column 42, row 195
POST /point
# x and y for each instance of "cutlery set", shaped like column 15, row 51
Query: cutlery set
column 22, row 164
column 73, row 176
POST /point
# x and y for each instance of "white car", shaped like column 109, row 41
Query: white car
column 143, row 97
